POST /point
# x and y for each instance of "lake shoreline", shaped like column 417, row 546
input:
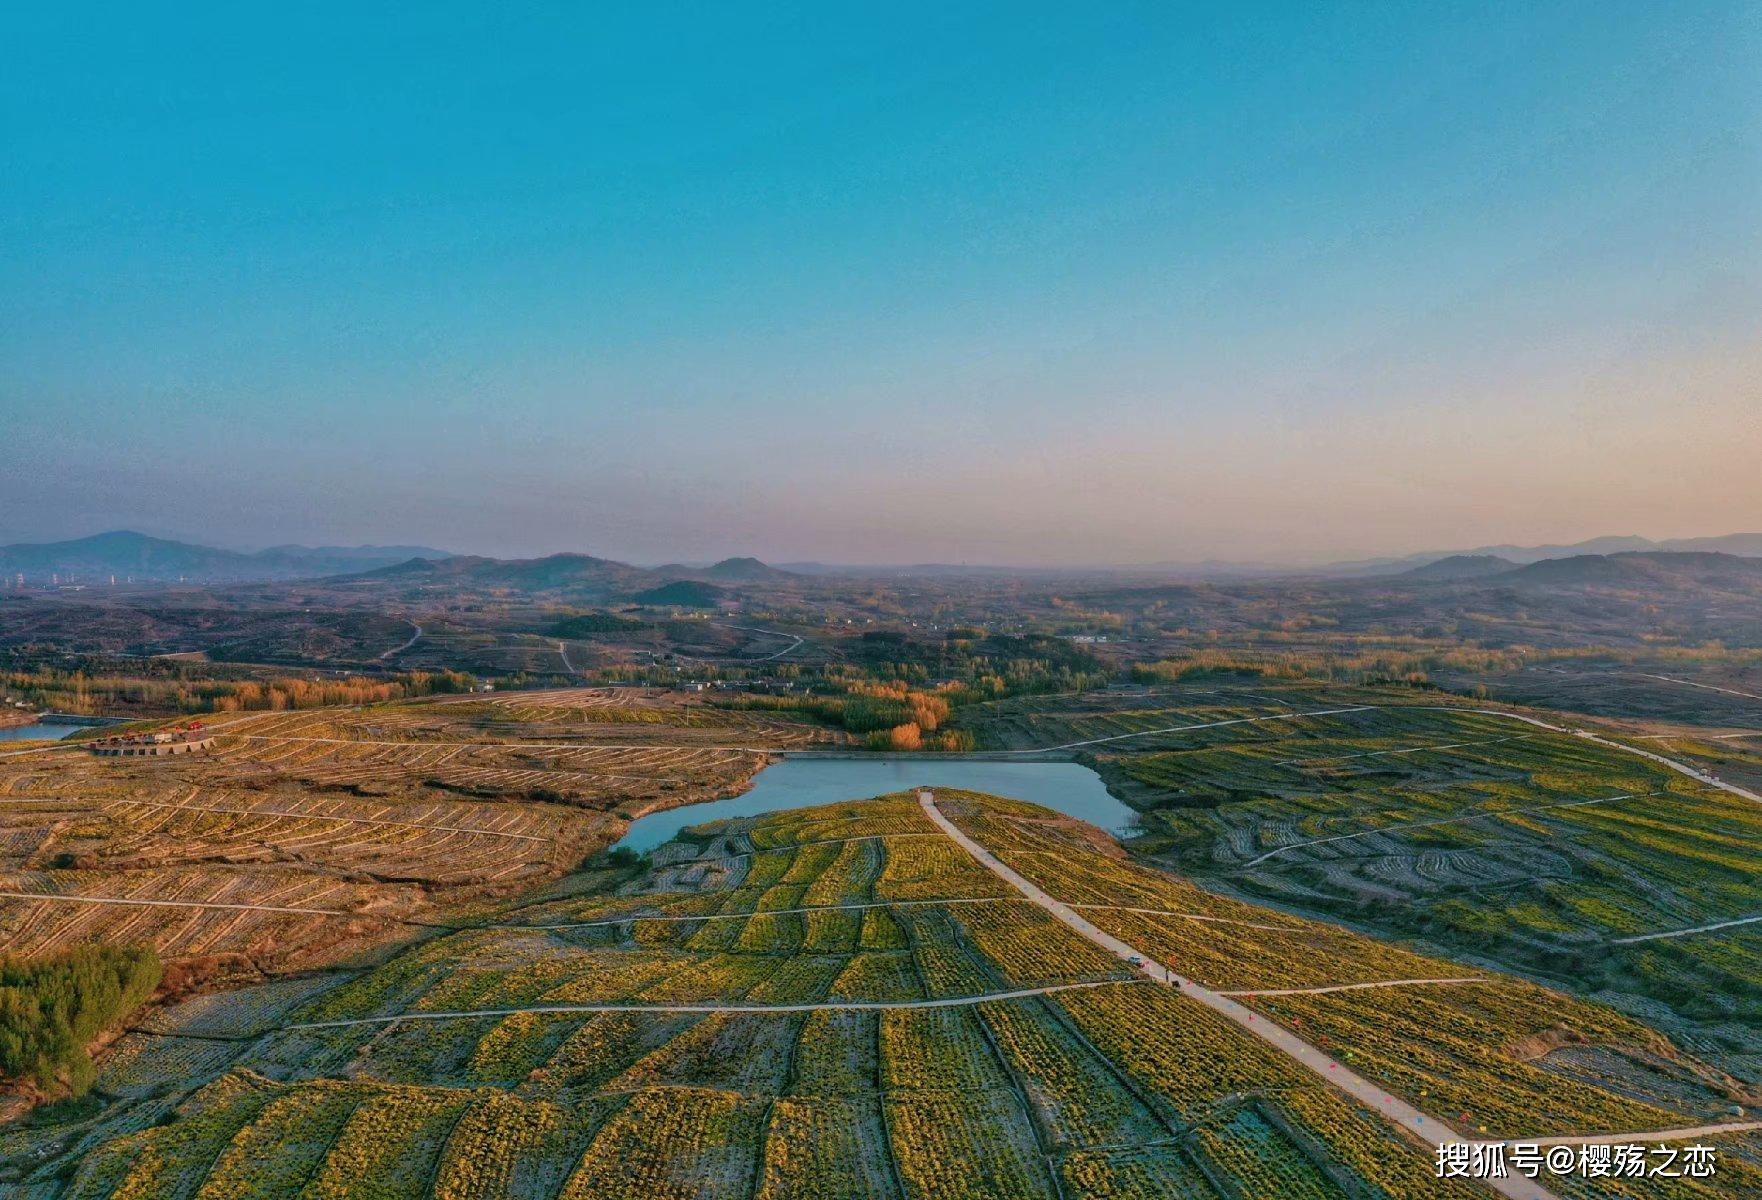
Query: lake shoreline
column 807, row 779
column 34, row 730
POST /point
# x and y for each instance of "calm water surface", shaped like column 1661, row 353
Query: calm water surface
column 44, row 731
column 1070, row 788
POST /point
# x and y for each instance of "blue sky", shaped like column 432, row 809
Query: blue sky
column 1005, row 283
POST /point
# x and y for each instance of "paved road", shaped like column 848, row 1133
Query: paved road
column 1430, row 1130
column 824, row 1006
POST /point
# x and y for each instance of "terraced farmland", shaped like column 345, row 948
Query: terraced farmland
column 846, row 1002
column 302, row 837
column 1572, row 860
column 1708, row 696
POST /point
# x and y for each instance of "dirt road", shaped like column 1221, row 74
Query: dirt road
column 1428, row 1129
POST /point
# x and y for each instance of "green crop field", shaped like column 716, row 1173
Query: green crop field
column 858, row 1007
column 1478, row 835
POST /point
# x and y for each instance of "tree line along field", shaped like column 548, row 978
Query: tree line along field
column 1486, row 837
column 302, row 837
column 855, row 1006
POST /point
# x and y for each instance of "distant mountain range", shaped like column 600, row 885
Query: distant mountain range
column 136, row 556
column 550, row 573
column 129, row 555
column 1741, row 544
column 1632, row 568
column 581, row 576
column 1744, row 545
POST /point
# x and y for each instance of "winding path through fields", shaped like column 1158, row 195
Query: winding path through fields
column 1676, row 933
column 415, row 636
column 795, row 644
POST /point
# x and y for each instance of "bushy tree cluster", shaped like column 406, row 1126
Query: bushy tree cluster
column 292, row 693
column 53, row 1005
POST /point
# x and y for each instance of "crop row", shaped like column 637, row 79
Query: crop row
column 1465, row 1052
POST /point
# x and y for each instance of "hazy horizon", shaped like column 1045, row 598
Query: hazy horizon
column 1009, row 285
column 786, row 559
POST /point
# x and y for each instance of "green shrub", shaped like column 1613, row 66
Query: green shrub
column 51, row 1006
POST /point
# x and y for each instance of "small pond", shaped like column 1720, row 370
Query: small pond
column 47, row 731
column 1070, row 788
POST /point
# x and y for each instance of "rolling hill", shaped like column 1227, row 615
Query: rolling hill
column 1459, row 567
column 1647, row 569
column 577, row 576
column 580, row 575
column 745, row 570
column 684, row 593
column 1747, row 545
column 1671, row 569
column 144, row 559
